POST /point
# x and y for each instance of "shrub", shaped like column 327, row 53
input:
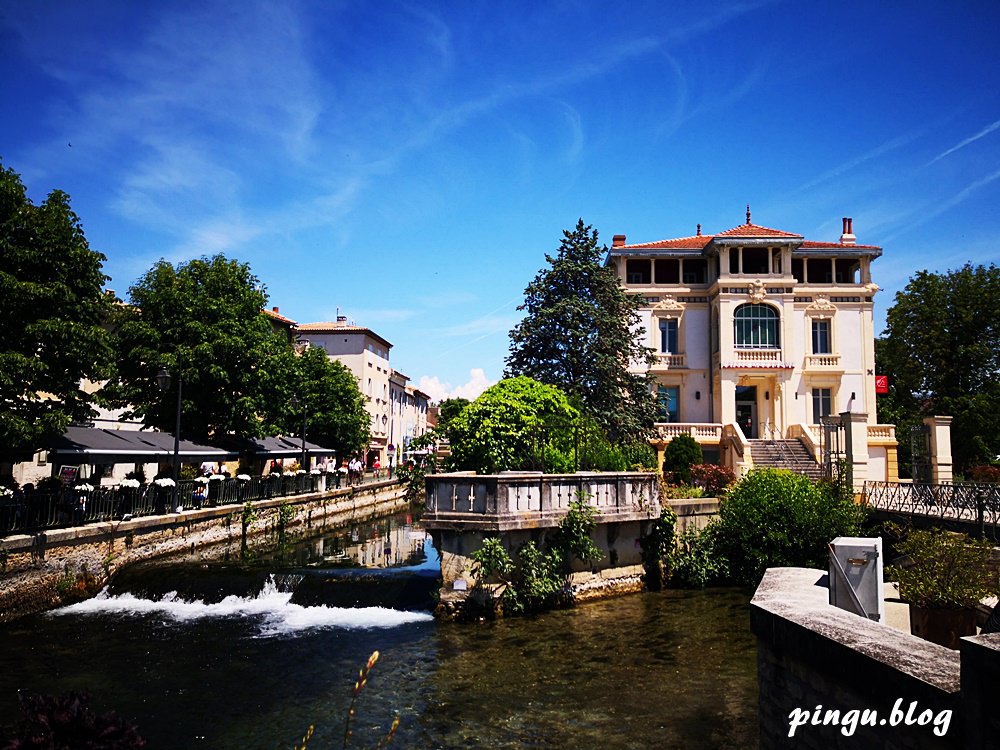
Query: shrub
column 658, row 548
column 678, row 457
column 984, row 474
column 713, row 479
column 697, row 561
column 944, row 570
column 573, row 537
column 773, row 518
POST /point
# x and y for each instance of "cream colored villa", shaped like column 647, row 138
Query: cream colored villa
column 759, row 334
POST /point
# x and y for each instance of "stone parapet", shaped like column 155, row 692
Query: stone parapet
column 814, row 657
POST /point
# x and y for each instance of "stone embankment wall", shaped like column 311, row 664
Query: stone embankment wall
column 35, row 563
column 811, row 655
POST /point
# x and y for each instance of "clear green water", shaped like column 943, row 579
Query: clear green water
column 656, row 670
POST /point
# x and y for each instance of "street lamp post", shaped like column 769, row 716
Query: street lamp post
column 163, row 380
column 295, row 405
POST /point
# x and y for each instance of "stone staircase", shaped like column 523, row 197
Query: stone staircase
column 785, row 454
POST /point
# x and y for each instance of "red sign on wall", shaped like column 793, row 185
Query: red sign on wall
column 881, row 384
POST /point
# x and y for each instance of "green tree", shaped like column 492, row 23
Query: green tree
column 941, row 350
column 581, row 332
column 202, row 319
column 512, row 425
column 336, row 416
column 52, row 308
column 448, row 409
column 679, row 456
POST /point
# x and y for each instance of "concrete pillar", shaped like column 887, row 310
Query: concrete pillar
column 727, row 409
column 941, row 463
column 856, row 437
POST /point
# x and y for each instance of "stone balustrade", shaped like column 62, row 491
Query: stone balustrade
column 521, row 500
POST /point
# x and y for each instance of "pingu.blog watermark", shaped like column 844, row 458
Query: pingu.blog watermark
column 850, row 720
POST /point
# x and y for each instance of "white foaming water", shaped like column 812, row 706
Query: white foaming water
column 279, row 615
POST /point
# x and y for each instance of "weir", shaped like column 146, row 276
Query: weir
column 463, row 509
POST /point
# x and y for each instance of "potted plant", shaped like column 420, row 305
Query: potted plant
column 943, row 576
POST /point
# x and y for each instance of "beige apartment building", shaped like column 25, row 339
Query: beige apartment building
column 398, row 412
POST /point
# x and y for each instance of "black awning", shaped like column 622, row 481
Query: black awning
column 96, row 445
column 274, row 447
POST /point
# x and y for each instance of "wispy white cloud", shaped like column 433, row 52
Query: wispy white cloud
column 931, row 210
column 962, row 144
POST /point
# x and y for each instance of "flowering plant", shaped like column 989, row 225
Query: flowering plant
column 243, row 477
column 129, row 483
column 316, row 471
column 84, row 487
column 201, row 480
column 289, row 473
column 275, row 473
column 216, row 477
column 164, row 482
column 6, row 492
column 300, row 471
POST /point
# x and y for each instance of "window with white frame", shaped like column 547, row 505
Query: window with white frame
column 668, row 336
column 756, row 327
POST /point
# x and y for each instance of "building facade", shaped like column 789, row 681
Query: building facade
column 758, row 333
column 398, row 411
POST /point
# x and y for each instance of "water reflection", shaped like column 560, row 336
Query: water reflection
column 653, row 670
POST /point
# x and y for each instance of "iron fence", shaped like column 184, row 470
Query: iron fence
column 965, row 501
column 40, row 509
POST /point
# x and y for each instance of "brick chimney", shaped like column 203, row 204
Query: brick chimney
column 847, row 237
column 274, row 309
column 618, row 240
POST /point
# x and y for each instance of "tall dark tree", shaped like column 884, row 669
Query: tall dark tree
column 202, row 320
column 336, row 416
column 941, row 349
column 52, row 308
column 581, row 332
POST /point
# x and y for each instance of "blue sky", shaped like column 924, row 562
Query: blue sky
column 409, row 164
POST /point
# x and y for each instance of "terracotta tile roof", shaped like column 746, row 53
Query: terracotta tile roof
column 278, row 317
column 753, row 230
column 696, row 242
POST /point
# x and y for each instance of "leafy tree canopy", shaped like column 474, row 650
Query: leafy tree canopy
column 52, row 309
column 941, row 350
column 509, row 427
column 335, row 411
column 202, row 319
column 581, row 332
column 448, row 409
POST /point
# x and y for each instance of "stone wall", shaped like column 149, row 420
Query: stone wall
column 814, row 658
column 36, row 562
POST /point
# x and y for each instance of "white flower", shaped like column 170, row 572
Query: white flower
column 289, row 473
column 216, row 477
column 6, row 492
column 342, row 469
column 84, row 487
column 164, row 482
column 130, row 483
column 201, row 480
column 275, row 474
column 243, row 477
column 316, row 471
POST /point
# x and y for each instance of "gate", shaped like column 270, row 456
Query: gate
column 920, row 452
column 833, row 444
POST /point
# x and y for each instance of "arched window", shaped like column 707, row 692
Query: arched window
column 756, row 327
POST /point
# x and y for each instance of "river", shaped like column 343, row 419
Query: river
column 241, row 658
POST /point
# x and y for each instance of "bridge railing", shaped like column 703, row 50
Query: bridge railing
column 963, row 501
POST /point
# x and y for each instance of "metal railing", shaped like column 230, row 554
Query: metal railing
column 967, row 502
column 40, row 509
